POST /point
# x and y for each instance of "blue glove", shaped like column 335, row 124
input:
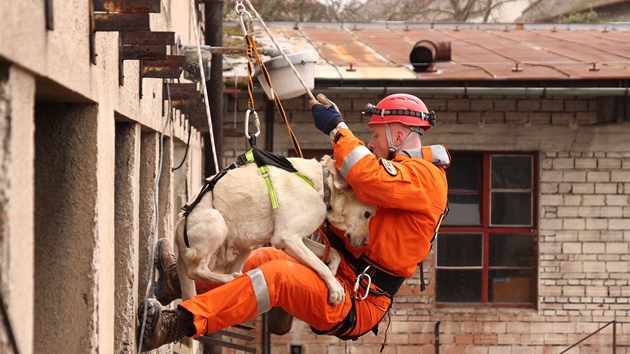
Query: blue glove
column 326, row 115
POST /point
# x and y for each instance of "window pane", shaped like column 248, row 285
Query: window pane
column 512, row 172
column 511, row 250
column 510, row 286
column 458, row 285
column 463, row 210
column 459, row 250
column 463, row 175
column 511, row 208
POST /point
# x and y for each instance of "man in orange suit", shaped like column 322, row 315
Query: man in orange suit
column 406, row 182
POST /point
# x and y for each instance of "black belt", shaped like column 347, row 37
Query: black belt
column 389, row 284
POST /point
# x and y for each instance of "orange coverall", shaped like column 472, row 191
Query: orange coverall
column 411, row 197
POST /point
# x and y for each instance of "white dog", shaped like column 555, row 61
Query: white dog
column 237, row 216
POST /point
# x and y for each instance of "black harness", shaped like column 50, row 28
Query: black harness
column 261, row 157
column 386, row 283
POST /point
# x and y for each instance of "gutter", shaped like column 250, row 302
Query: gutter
column 483, row 91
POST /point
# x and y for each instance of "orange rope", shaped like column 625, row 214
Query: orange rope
column 324, row 240
column 252, row 54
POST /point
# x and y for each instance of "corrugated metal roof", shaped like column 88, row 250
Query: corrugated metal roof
column 380, row 51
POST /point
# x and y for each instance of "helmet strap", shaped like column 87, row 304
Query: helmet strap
column 393, row 149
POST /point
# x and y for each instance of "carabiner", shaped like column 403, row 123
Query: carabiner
column 241, row 10
column 357, row 283
column 256, row 123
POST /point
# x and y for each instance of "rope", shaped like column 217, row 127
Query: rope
column 252, row 53
column 7, row 326
column 324, row 240
column 203, row 84
column 308, row 91
column 253, row 56
column 157, row 216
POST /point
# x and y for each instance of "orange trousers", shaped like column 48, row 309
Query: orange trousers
column 287, row 284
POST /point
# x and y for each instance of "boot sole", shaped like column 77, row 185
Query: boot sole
column 157, row 288
column 153, row 315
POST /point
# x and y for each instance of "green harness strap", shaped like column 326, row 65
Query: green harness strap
column 264, row 173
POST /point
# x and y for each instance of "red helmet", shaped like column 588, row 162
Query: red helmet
column 400, row 108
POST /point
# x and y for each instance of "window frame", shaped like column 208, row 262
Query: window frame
column 486, row 230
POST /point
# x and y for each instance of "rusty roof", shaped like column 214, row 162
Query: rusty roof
column 479, row 52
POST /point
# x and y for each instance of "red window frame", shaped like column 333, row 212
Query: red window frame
column 486, row 230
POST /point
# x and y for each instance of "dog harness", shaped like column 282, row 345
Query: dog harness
column 262, row 158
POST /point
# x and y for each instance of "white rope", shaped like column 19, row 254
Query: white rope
column 156, row 198
column 203, row 84
column 308, row 91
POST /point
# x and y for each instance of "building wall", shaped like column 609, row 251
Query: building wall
column 86, row 187
column 584, row 229
column 86, row 180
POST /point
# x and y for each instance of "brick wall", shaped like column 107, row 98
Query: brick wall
column 584, row 227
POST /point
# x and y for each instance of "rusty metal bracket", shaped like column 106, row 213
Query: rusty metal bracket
column 187, row 99
column 127, row 6
column 169, row 68
column 121, row 22
column 119, row 15
column 142, row 45
column 113, row 22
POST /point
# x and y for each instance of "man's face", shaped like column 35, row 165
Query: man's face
column 378, row 143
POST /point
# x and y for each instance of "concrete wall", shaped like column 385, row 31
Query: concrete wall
column 86, row 180
column 584, row 237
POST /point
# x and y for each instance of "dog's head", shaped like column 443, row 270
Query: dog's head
column 347, row 212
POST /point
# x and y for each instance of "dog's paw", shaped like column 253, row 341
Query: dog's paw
column 234, row 275
column 337, row 294
column 333, row 261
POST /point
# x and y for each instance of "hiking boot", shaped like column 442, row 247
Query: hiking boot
column 161, row 326
column 166, row 287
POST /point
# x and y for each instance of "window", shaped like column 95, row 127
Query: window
column 487, row 246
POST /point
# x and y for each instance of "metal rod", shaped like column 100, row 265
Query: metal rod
column 225, row 50
column 614, row 337
column 589, row 336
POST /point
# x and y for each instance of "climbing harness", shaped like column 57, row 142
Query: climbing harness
column 262, row 158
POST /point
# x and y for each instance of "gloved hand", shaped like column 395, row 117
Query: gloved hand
column 326, row 115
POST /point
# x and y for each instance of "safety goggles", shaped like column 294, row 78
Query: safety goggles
column 371, row 109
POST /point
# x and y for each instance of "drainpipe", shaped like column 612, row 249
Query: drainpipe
column 502, row 91
column 213, row 23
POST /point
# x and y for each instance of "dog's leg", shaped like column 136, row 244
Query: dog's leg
column 199, row 271
column 319, row 249
column 298, row 250
column 207, row 234
column 236, row 267
column 187, row 284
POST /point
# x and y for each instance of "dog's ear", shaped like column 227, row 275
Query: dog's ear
column 339, row 181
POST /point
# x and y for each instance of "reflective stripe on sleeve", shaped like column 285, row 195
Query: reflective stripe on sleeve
column 260, row 288
column 353, row 157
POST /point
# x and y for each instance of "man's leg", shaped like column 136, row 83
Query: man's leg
column 284, row 283
column 167, row 288
column 280, row 282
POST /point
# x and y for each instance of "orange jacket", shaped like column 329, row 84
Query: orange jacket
column 410, row 195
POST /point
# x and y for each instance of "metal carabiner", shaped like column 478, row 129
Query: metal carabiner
column 241, row 10
column 357, row 283
column 256, row 123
